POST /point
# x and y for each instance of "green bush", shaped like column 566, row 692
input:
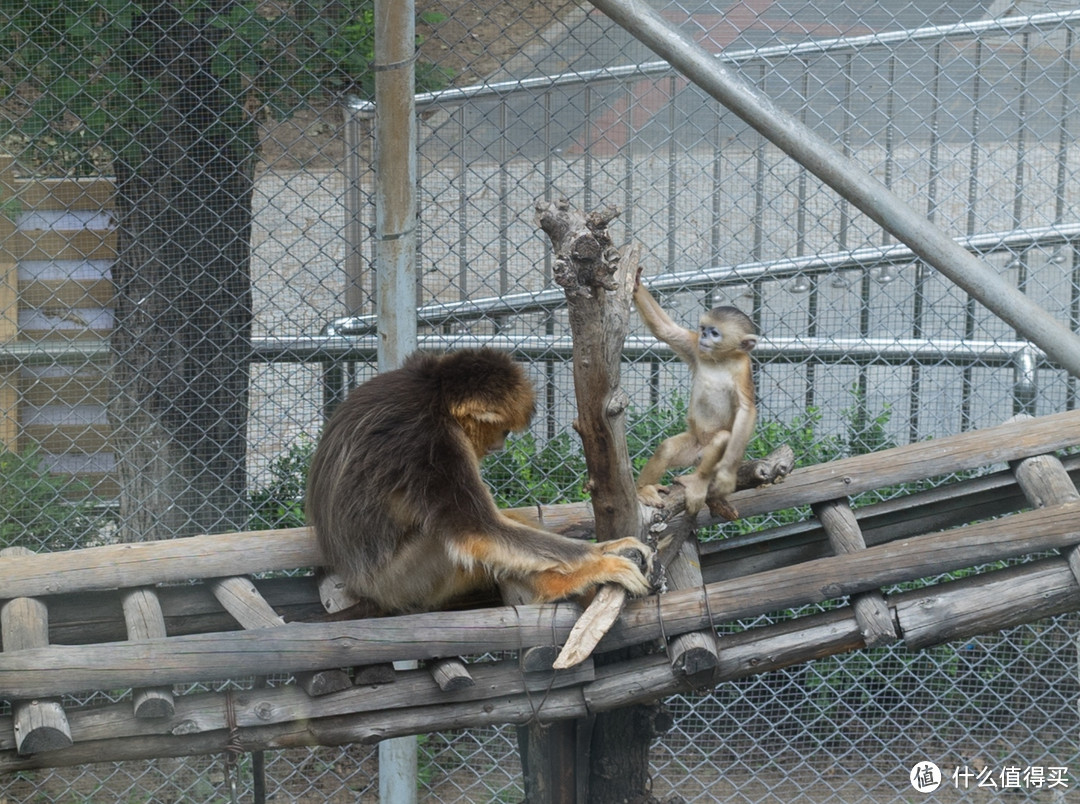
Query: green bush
column 527, row 471
column 39, row 509
column 280, row 503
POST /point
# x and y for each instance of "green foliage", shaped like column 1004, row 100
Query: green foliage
column 39, row 508
column 350, row 52
column 645, row 429
column 86, row 74
column 866, row 432
column 525, row 472
column 528, row 472
column 280, row 504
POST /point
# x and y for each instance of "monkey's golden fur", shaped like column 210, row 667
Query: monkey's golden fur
column 400, row 510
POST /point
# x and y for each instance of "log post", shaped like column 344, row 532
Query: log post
column 694, row 656
column 599, row 283
column 1045, row 481
column 871, row 611
column 144, row 619
column 40, row 724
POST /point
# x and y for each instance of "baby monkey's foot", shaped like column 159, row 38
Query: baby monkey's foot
column 650, row 495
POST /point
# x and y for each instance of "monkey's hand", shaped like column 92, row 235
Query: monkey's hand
column 723, row 482
column 650, row 495
column 630, row 564
column 697, row 489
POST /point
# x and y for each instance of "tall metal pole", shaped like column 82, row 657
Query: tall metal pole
column 852, row 182
column 395, row 267
column 395, row 180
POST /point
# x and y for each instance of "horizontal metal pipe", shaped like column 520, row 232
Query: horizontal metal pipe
column 335, row 348
column 868, row 258
column 1045, row 21
column 848, row 179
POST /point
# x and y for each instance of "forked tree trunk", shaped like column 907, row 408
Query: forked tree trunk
column 181, row 339
column 599, row 284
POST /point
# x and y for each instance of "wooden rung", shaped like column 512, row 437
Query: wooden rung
column 39, row 725
column 871, row 611
column 242, row 600
column 693, row 656
column 144, row 619
column 332, row 593
column 1045, row 482
column 451, row 675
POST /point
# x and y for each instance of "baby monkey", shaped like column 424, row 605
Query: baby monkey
column 721, row 414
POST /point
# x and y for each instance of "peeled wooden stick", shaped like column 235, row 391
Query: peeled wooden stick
column 591, row 626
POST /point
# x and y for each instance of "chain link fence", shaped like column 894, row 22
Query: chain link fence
column 111, row 258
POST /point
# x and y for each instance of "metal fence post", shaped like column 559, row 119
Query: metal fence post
column 1025, row 380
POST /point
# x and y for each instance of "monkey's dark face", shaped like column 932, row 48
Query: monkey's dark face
column 496, row 442
column 486, row 437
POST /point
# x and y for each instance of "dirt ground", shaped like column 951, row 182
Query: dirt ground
column 477, row 36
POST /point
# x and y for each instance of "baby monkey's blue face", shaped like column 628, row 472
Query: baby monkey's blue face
column 723, row 331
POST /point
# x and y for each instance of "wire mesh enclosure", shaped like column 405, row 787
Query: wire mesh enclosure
column 187, row 249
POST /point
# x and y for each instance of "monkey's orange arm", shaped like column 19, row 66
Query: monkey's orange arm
column 682, row 340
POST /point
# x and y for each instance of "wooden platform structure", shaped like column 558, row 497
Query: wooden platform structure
column 129, row 616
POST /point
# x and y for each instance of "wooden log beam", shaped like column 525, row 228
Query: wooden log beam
column 285, row 717
column 206, row 712
column 908, row 464
column 89, row 617
column 145, row 563
column 828, row 578
column 985, row 603
column 180, row 560
column 1011, row 441
column 939, row 508
column 309, row 646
